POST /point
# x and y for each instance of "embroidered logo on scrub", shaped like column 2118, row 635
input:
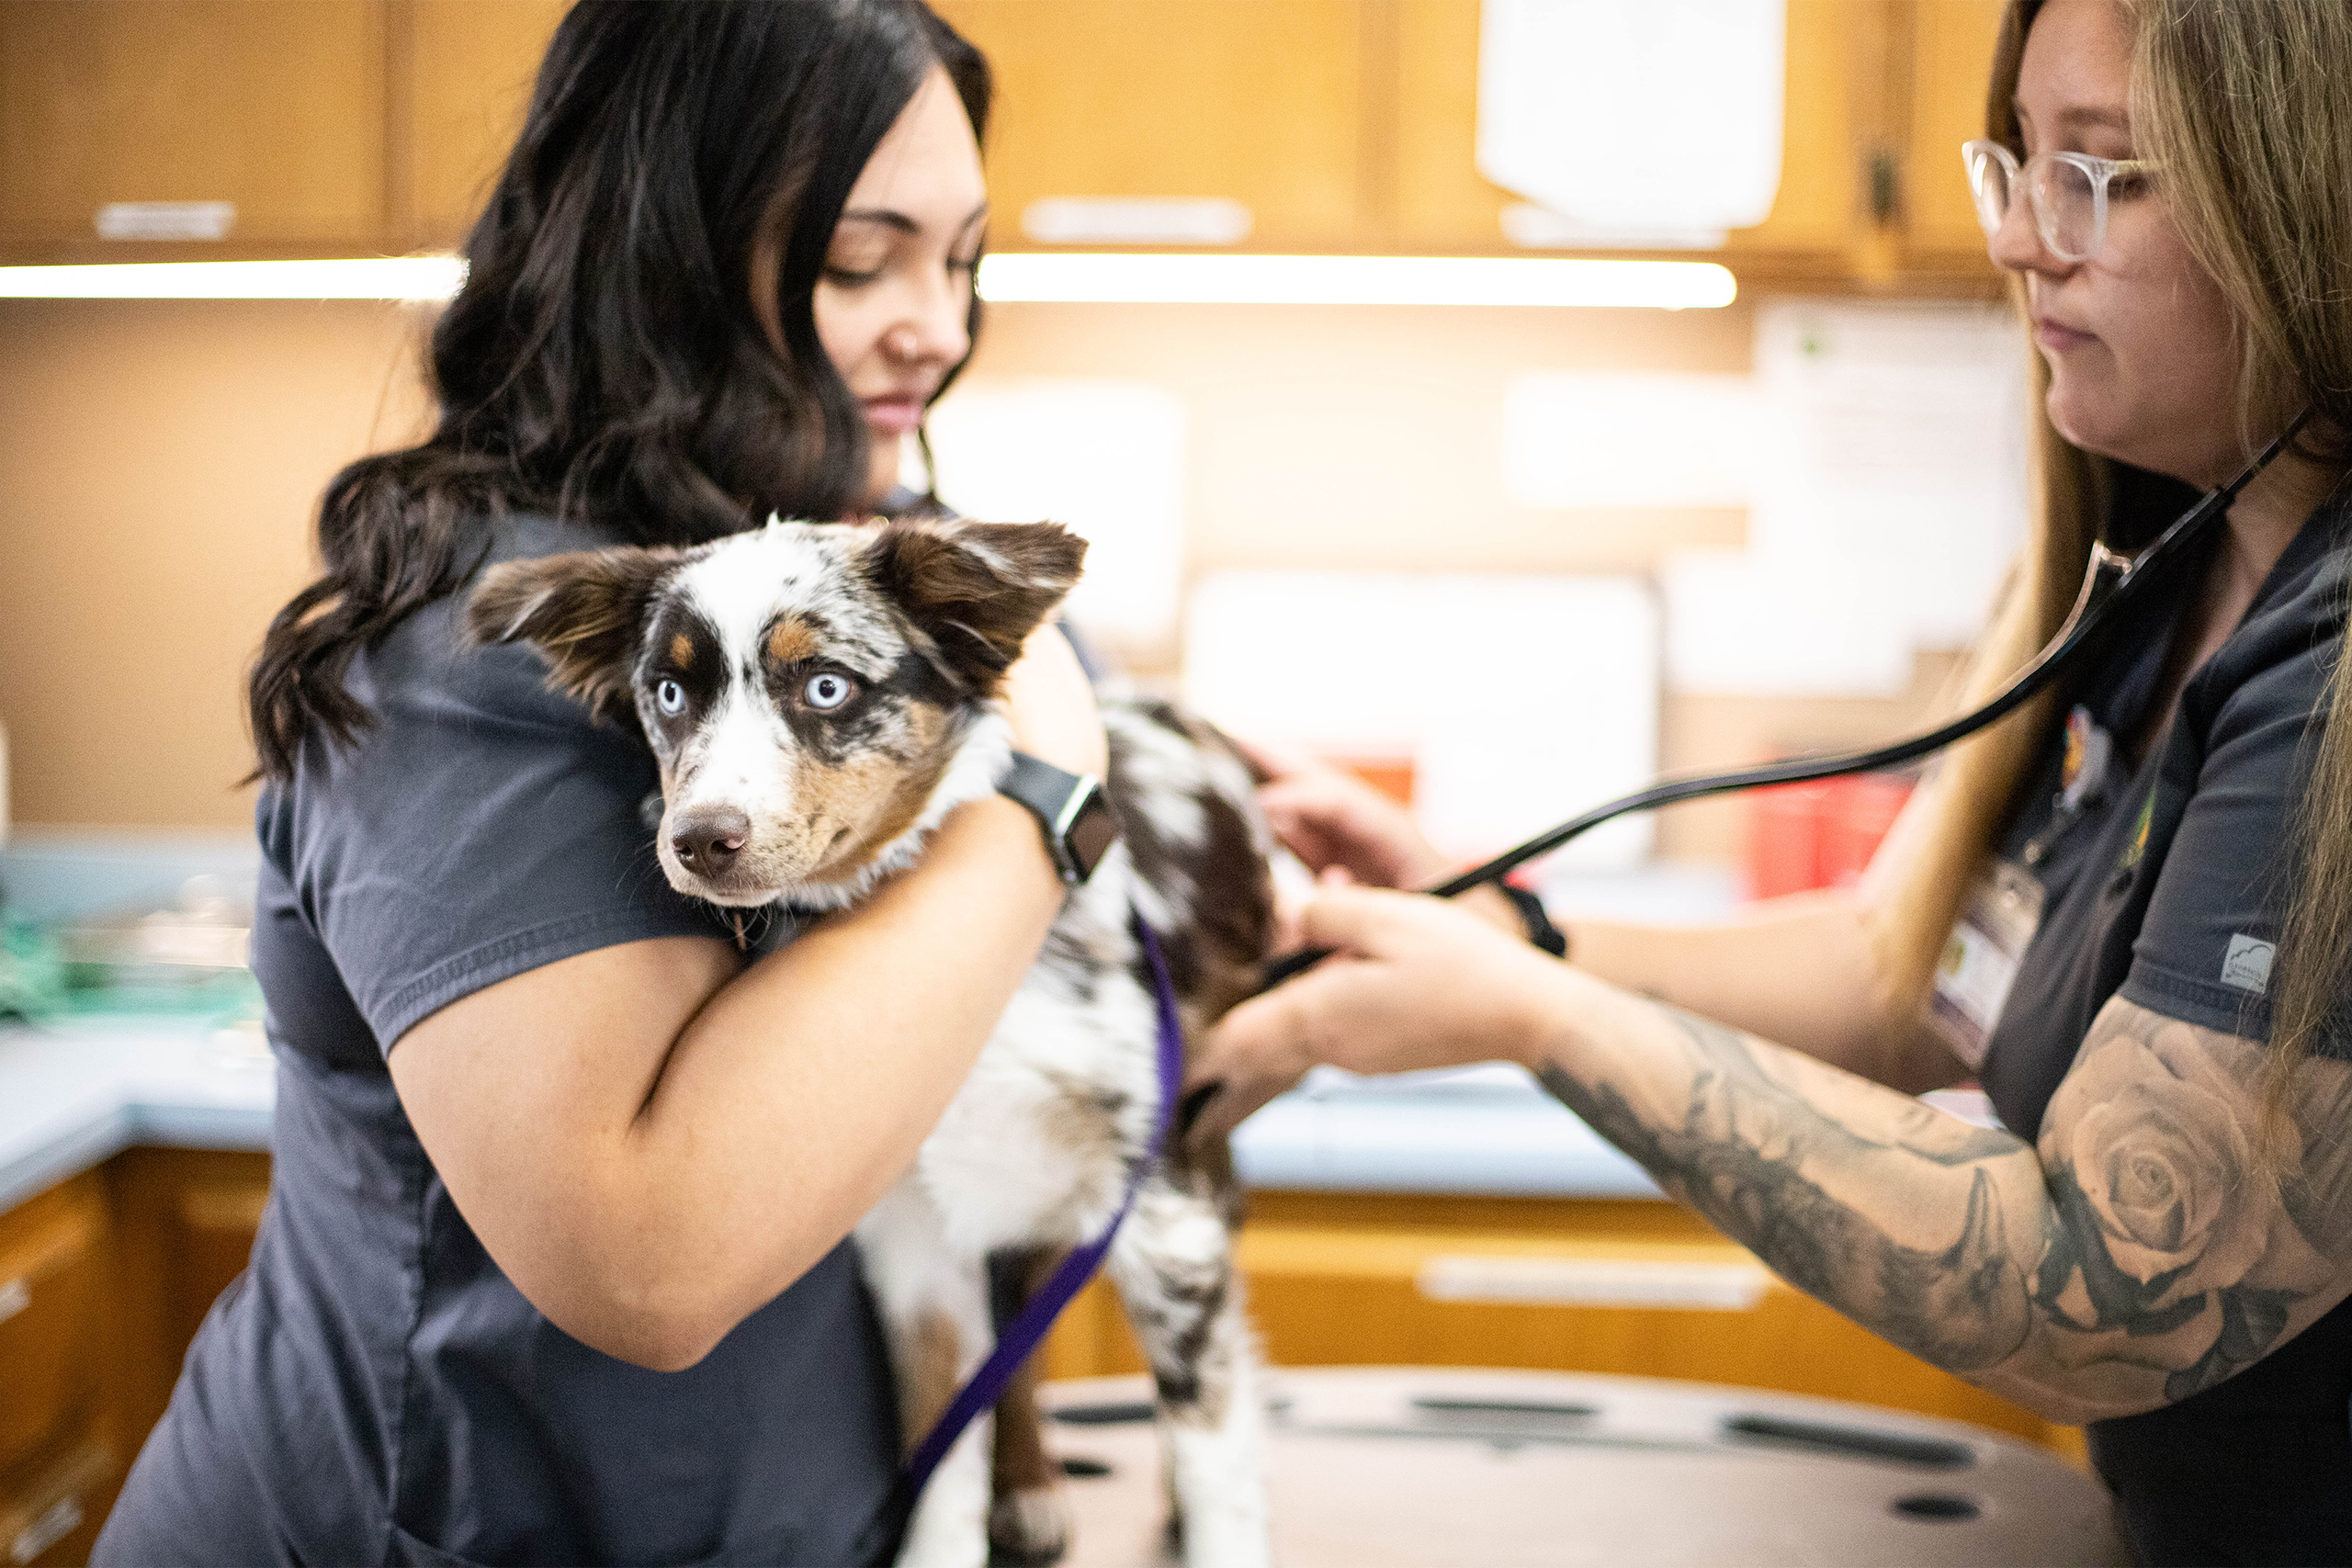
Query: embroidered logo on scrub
column 2138, row 845
column 2247, row 963
column 2087, row 749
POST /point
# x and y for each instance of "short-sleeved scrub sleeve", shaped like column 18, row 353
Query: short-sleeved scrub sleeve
column 2230, row 792
column 483, row 826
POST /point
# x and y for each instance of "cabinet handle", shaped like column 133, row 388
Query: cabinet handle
column 167, row 220
column 1136, row 221
column 59, row 1494
column 1593, row 1282
column 63, row 1518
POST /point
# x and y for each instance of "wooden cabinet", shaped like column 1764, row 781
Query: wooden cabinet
column 185, row 1220
column 1354, row 1280
column 54, row 1255
column 59, row 1465
column 1951, row 62
column 1441, row 203
column 104, row 1280
column 337, row 127
column 469, row 66
column 50, row 1510
column 1262, row 104
column 274, row 107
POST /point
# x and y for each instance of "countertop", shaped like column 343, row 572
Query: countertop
column 74, row 1092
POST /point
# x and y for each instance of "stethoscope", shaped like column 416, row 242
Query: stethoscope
column 2112, row 583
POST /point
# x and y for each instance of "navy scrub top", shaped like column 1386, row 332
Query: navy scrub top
column 2167, row 888
column 373, row 1389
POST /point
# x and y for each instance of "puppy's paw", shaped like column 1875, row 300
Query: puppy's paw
column 1029, row 1527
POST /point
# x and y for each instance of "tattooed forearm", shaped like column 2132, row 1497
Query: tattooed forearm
column 1961, row 1306
column 2133, row 1261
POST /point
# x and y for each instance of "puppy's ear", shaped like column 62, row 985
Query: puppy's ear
column 978, row 589
column 584, row 612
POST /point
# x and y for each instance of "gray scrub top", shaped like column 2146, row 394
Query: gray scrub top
column 374, row 1389
column 2165, row 887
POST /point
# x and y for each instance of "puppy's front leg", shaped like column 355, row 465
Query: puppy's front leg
column 934, row 1309
column 1173, row 1266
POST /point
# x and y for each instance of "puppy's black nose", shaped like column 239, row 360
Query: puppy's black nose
column 709, row 838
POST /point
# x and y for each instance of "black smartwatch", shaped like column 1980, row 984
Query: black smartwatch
column 1080, row 828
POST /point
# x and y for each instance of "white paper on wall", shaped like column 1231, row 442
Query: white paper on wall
column 1618, row 439
column 1519, row 700
column 1888, row 498
column 1103, row 458
column 1635, row 114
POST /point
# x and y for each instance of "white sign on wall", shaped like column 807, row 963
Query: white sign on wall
column 1643, row 115
column 1890, row 497
column 1104, row 459
column 1516, row 699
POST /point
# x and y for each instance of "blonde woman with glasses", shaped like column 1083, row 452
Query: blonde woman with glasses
column 2128, row 912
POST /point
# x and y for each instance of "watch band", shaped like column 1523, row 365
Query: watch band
column 1078, row 827
column 1539, row 929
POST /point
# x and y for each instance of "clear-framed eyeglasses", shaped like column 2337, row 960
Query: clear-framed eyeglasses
column 2068, row 191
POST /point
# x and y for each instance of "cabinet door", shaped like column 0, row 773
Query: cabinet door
column 1951, row 61
column 1259, row 103
column 53, row 1277
column 185, row 1220
column 471, row 66
column 1440, row 202
column 50, row 1508
column 276, row 107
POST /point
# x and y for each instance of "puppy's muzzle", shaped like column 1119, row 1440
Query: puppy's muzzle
column 707, row 839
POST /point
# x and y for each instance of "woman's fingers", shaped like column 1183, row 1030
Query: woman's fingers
column 1254, row 1055
column 1273, row 760
column 1413, row 982
column 1328, row 817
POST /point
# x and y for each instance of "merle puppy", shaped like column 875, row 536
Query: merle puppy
column 817, row 699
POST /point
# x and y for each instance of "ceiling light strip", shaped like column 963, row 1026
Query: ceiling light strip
column 1061, row 277
column 1125, row 279
column 421, row 279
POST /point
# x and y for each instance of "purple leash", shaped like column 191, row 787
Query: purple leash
column 1023, row 1334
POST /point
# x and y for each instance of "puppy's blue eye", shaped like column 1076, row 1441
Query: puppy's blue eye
column 671, row 698
column 828, row 691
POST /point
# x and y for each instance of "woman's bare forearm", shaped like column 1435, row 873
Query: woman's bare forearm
column 653, row 1144
column 1799, row 970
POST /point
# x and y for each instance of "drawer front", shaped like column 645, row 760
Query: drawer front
column 52, row 1301
column 50, row 1512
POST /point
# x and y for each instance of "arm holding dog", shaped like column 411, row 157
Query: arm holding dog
column 2131, row 1259
column 678, row 1141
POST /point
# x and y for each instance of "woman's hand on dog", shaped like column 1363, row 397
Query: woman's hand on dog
column 1051, row 703
column 1412, row 982
column 1346, row 831
column 1331, row 818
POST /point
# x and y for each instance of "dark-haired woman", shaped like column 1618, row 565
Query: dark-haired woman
column 553, row 1267
column 2158, row 872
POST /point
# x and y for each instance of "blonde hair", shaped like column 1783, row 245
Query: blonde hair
column 2246, row 106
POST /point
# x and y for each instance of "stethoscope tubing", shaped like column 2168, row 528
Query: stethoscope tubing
column 2111, row 585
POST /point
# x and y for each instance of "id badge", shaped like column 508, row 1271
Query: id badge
column 1980, row 963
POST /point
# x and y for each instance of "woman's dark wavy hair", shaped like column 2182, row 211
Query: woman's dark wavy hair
column 603, row 356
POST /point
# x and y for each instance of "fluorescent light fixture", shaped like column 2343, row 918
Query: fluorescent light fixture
column 1070, row 278
column 1116, row 278
column 429, row 279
